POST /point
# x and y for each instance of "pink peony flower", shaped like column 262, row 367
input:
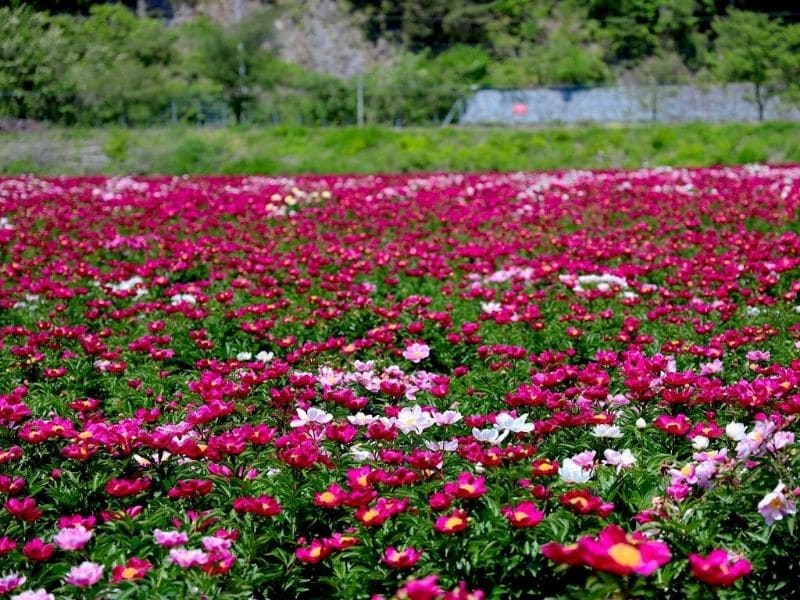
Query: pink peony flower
column 10, row 582
column 453, row 523
column 72, row 538
column 188, row 558
column 416, row 352
column 616, row 552
column 719, row 567
column 135, row 568
column 401, row 559
column 775, row 505
column 170, row 539
column 421, row 589
column 85, row 574
column 40, row 594
column 216, row 544
column 524, row 514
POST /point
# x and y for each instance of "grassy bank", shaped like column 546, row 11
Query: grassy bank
column 373, row 149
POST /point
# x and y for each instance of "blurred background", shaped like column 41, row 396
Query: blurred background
column 399, row 63
column 296, row 86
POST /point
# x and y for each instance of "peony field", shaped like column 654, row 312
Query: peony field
column 556, row 385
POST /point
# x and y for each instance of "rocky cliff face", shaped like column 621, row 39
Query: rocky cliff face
column 320, row 35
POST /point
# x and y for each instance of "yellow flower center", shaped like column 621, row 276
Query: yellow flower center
column 327, row 497
column 453, row 522
column 625, row 555
column 520, row 516
column 370, row 515
column 129, row 573
column 316, row 551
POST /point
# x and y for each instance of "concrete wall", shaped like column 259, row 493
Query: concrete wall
column 622, row 104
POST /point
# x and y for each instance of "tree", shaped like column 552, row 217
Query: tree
column 230, row 57
column 753, row 48
column 34, row 53
column 654, row 79
column 123, row 66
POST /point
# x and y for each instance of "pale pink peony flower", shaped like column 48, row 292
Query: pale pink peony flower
column 10, row 582
column 416, row 352
column 72, row 538
column 216, row 544
column 620, row 460
column 188, row 558
column 85, row 574
column 584, row 459
column 775, row 505
column 40, row 594
column 170, row 539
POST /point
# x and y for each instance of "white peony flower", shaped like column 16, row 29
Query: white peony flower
column 491, row 436
column 450, row 446
column 572, row 472
column 312, row 415
column 360, row 419
column 413, row 419
column 735, row 431
column 264, row 356
column 359, row 454
column 506, row 422
column 491, row 307
column 606, row 431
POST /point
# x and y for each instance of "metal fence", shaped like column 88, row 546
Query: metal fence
column 624, row 104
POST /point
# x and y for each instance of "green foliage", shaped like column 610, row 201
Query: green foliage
column 292, row 149
column 423, row 87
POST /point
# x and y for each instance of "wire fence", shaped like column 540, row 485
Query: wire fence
column 436, row 105
column 328, row 105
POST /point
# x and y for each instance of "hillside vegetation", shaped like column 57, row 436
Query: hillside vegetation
column 100, row 64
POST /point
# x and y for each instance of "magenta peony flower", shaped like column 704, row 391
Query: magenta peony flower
column 719, row 567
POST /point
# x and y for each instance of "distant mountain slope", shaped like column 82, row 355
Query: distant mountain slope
column 319, row 35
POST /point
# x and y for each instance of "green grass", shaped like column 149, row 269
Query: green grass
column 288, row 150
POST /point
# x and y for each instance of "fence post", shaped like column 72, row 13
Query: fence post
column 360, row 101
